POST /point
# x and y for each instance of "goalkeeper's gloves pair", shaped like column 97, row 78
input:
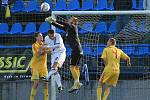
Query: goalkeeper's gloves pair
column 50, row 19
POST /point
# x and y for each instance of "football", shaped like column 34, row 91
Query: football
column 45, row 7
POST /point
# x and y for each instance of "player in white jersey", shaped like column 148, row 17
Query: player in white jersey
column 58, row 55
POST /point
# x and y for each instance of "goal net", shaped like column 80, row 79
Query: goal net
column 131, row 30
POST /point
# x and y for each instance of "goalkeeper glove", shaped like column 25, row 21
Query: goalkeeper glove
column 50, row 19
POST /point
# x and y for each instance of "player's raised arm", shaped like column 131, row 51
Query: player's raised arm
column 62, row 23
column 53, row 21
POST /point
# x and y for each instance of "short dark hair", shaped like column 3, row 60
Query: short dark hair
column 113, row 41
column 51, row 31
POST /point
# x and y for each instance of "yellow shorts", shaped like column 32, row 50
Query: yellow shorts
column 37, row 73
column 110, row 78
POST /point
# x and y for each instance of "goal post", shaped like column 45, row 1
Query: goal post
column 53, row 86
column 131, row 38
column 54, row 13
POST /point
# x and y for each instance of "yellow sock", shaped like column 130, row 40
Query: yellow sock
column 106, row 93
column 99, row 92
column 78, row 71
column 46, row 95
column 33, row 93
column 74, row 73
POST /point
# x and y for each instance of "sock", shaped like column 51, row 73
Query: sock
column 74, row 73
column 58, row 79
column 51, row 72
column 46, row 95
column 99, row 92
column 78, row 72
column 106, row 93
column 33, row 93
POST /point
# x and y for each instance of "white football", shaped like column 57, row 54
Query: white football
column 45, row 7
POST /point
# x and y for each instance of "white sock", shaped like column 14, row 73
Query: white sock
column 58, row 79
column 51, row 72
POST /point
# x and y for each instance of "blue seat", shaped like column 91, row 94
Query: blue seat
column 86, row 27
column 32, row 6
column 74, row 5
column 99, row 50
column 129, row 49
column 101, row 27
column 111, row 6
column 4, row 28
column 16, row 28
column 138, row 27
column 60, row 5
column 18, row 6
column 113, row 27
column 87, row 5
column 68, row 50
column 87, row 50
column 133, row 25
column 142, row 27
column 140, row 5
column 134, row 4
column 142, row 50
column 61, row 32
column 30, row 28
column 44, row 27
column 102, row 5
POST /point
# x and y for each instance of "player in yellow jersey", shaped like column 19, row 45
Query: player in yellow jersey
column 39, row 66
column 111, row 57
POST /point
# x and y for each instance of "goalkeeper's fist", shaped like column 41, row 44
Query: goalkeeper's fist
column 50, row 19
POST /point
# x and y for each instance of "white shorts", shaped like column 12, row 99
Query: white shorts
column 59, row 58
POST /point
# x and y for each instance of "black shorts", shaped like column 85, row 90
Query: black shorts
column 75, row 58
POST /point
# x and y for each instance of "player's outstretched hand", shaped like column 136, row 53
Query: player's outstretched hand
column 50, row 19
column 129, row 64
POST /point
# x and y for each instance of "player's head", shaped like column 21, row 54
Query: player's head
column 51, row 34
column 39, row 37
column 111, row 41
column 74, row 20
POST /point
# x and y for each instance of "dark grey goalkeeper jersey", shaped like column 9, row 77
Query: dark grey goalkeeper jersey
column 72, row 35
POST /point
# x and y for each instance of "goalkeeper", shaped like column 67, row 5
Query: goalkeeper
column 39, row 66
column 111, row 56
column 72, row 36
